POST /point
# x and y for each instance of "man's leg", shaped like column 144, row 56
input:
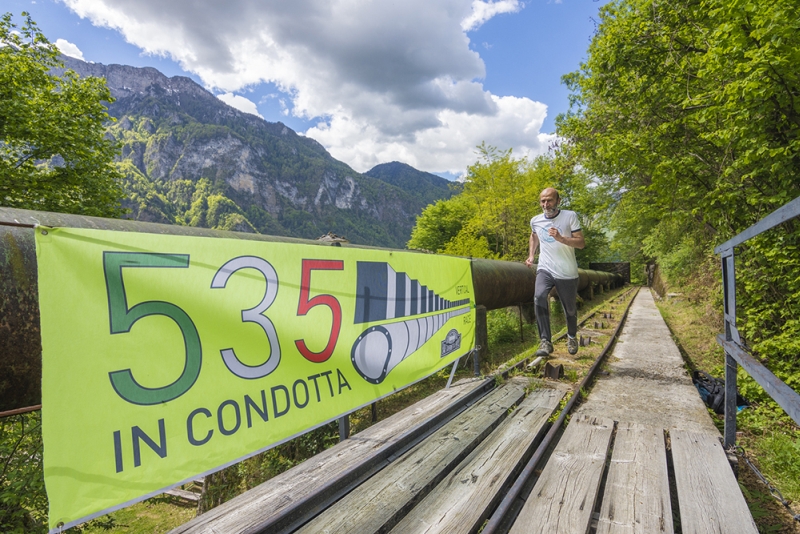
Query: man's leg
column 541, row 299
column 568, row 294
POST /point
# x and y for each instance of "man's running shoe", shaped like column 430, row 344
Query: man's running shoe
column 545, row 348
column 572, row 345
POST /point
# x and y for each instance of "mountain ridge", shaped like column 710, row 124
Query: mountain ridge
column 189, row 158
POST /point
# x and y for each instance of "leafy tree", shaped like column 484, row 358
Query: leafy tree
column 490, row 218
column 690, row 112
column 53, row 153
column 53, row 157
column 692, row 107
column 439, row 223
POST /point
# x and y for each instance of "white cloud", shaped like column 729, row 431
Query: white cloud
column 483, row 11
column 69, row 49
column 445, row 147
column 239, row 102
column 385, row 80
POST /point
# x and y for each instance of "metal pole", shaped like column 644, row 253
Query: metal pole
column 452, row 373
column 730, row 400
column 729, row 301
column 344, row 427
column 481, row 338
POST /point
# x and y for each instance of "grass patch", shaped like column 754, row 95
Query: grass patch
column 158, row 514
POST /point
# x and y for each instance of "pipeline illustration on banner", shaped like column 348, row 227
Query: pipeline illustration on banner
column 384, row 294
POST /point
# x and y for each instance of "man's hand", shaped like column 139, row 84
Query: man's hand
column 532, row 246
column 576, row 241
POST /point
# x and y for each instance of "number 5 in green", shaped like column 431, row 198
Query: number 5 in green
column 122, row 320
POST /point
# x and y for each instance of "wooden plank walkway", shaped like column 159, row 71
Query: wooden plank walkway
column 379, row 503
column 660, row 420
column 464, row 500
column 708, row 496
column 565, row 494
column 637, row 488
column 640, row 455
column 275, row 505
column 647, row 380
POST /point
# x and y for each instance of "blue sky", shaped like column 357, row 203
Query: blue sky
column 419, row 81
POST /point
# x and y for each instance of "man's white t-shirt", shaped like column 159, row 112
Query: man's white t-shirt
column 554, row 257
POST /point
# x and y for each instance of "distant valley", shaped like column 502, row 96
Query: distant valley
column 191, row 159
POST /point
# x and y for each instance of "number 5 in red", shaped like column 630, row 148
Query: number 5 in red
column 330, row 301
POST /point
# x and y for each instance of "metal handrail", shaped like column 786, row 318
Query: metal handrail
column 788, row 211
column 735, row 352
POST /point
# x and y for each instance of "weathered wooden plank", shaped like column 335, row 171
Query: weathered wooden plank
column 463, row 500
column 564, row 496
column 708, row 495
column 304, row 488
column 636, row 497
column 377, row 504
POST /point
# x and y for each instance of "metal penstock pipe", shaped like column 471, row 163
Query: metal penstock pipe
column 497, row 284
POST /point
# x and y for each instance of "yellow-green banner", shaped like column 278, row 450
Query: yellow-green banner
column 167, row 357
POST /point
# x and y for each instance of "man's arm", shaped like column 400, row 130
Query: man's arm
column 576, row 241
column 533, row 244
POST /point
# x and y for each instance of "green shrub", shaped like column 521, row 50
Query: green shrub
column 502, row 326
column 23, row 503
column 779, row 454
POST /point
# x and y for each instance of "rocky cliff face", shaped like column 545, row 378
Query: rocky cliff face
column 191, row 159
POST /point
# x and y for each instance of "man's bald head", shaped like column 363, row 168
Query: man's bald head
column 549, row 200
column 550, row 191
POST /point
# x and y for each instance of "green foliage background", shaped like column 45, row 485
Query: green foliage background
column 491, row 217
column 23, row 503
column 53, row 152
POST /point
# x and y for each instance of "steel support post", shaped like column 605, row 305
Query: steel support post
column 731, row 334
column 730, row 400
column 344, row 427
column 481, row 338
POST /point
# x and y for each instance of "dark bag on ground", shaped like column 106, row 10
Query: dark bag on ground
column 712, row 391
